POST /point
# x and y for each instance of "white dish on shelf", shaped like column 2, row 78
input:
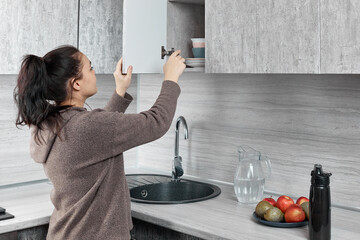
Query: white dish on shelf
column 195, row 62
column 195, row 59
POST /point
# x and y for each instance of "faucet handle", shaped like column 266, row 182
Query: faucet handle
column 177, row 168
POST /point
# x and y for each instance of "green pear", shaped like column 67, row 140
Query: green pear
column 274, row 215
column 262, row 207
column 305, row 207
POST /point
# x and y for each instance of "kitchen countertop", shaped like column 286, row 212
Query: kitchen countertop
column 222, row 217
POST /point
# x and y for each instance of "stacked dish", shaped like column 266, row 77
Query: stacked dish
column 198, row 47
column 195, row 62
column 198, row 51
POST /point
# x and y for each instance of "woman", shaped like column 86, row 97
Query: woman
column 82, row 151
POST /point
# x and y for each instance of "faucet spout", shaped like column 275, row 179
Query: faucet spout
column 180, row 120
column 177, row 170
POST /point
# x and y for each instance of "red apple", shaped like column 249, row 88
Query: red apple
column 300, row 200
column 271, row 201
column 294, row 213
column 284, row 202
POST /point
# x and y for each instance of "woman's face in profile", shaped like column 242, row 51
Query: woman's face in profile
column 88, row 87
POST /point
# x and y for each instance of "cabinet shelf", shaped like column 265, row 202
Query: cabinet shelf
column 200, row 2
column 196, row 69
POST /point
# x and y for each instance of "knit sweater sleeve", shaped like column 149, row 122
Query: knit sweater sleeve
column 109, row 134
column 118, row 103
column 149, row 125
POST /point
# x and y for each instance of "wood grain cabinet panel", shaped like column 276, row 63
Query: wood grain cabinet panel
column 100, row 33
column 287, row 38
column 230, row 33
column 264, row 36
column 34, row 27
column 340, row 38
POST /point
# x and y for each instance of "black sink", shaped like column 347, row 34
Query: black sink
column 160, row 189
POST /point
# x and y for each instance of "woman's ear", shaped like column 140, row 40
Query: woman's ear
column 74, row 84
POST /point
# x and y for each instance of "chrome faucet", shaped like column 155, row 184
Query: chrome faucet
column 177, row 170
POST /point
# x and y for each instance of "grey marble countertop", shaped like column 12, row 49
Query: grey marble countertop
column 222, row 217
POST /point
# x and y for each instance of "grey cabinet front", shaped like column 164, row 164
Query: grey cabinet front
column 287, row 36
column 340, row 36
column 34, row 27
column 264, row 36
column 230, row 35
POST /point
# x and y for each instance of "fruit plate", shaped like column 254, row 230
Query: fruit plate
column 280, row 224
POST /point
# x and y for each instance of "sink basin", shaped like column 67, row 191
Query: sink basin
column 159, row 189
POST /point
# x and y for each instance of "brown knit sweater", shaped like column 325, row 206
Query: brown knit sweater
column 86, row 167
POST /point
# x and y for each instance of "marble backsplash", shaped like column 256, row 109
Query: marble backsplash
column 296, row 120
column 16, row 164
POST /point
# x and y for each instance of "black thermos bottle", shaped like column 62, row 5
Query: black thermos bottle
column 320, row 205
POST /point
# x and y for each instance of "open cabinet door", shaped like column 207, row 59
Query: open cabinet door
column 144, row 32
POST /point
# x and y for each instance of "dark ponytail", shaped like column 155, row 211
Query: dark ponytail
column 42, row 86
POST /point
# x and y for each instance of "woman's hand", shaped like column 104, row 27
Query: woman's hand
column 122, row 81
column 174, row 67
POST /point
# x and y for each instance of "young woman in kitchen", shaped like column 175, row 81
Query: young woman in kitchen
column 82, row 151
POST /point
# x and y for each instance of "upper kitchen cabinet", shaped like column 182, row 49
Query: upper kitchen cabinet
column 152, row 28
column 340, row 36
column 268, row 36
column 230, row 36
column 34, row 27
column 100, row 32
column 287, row 36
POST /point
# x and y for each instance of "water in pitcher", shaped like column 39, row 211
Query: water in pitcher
column 249, row 191
column 252, row 170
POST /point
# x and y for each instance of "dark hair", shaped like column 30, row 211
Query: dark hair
column 42, row 86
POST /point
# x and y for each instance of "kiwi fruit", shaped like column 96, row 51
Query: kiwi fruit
column 262, row 207
column 305, row 207
column 274, row 215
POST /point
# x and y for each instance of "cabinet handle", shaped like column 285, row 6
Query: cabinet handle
column 166, row 53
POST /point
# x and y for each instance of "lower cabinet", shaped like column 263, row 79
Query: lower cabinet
column 142, row 231
column 35, row 233
column 147, row 231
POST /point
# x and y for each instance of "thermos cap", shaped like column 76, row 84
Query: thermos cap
column 318, row 177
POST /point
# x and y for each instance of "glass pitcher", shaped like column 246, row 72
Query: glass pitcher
column 251, row 172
